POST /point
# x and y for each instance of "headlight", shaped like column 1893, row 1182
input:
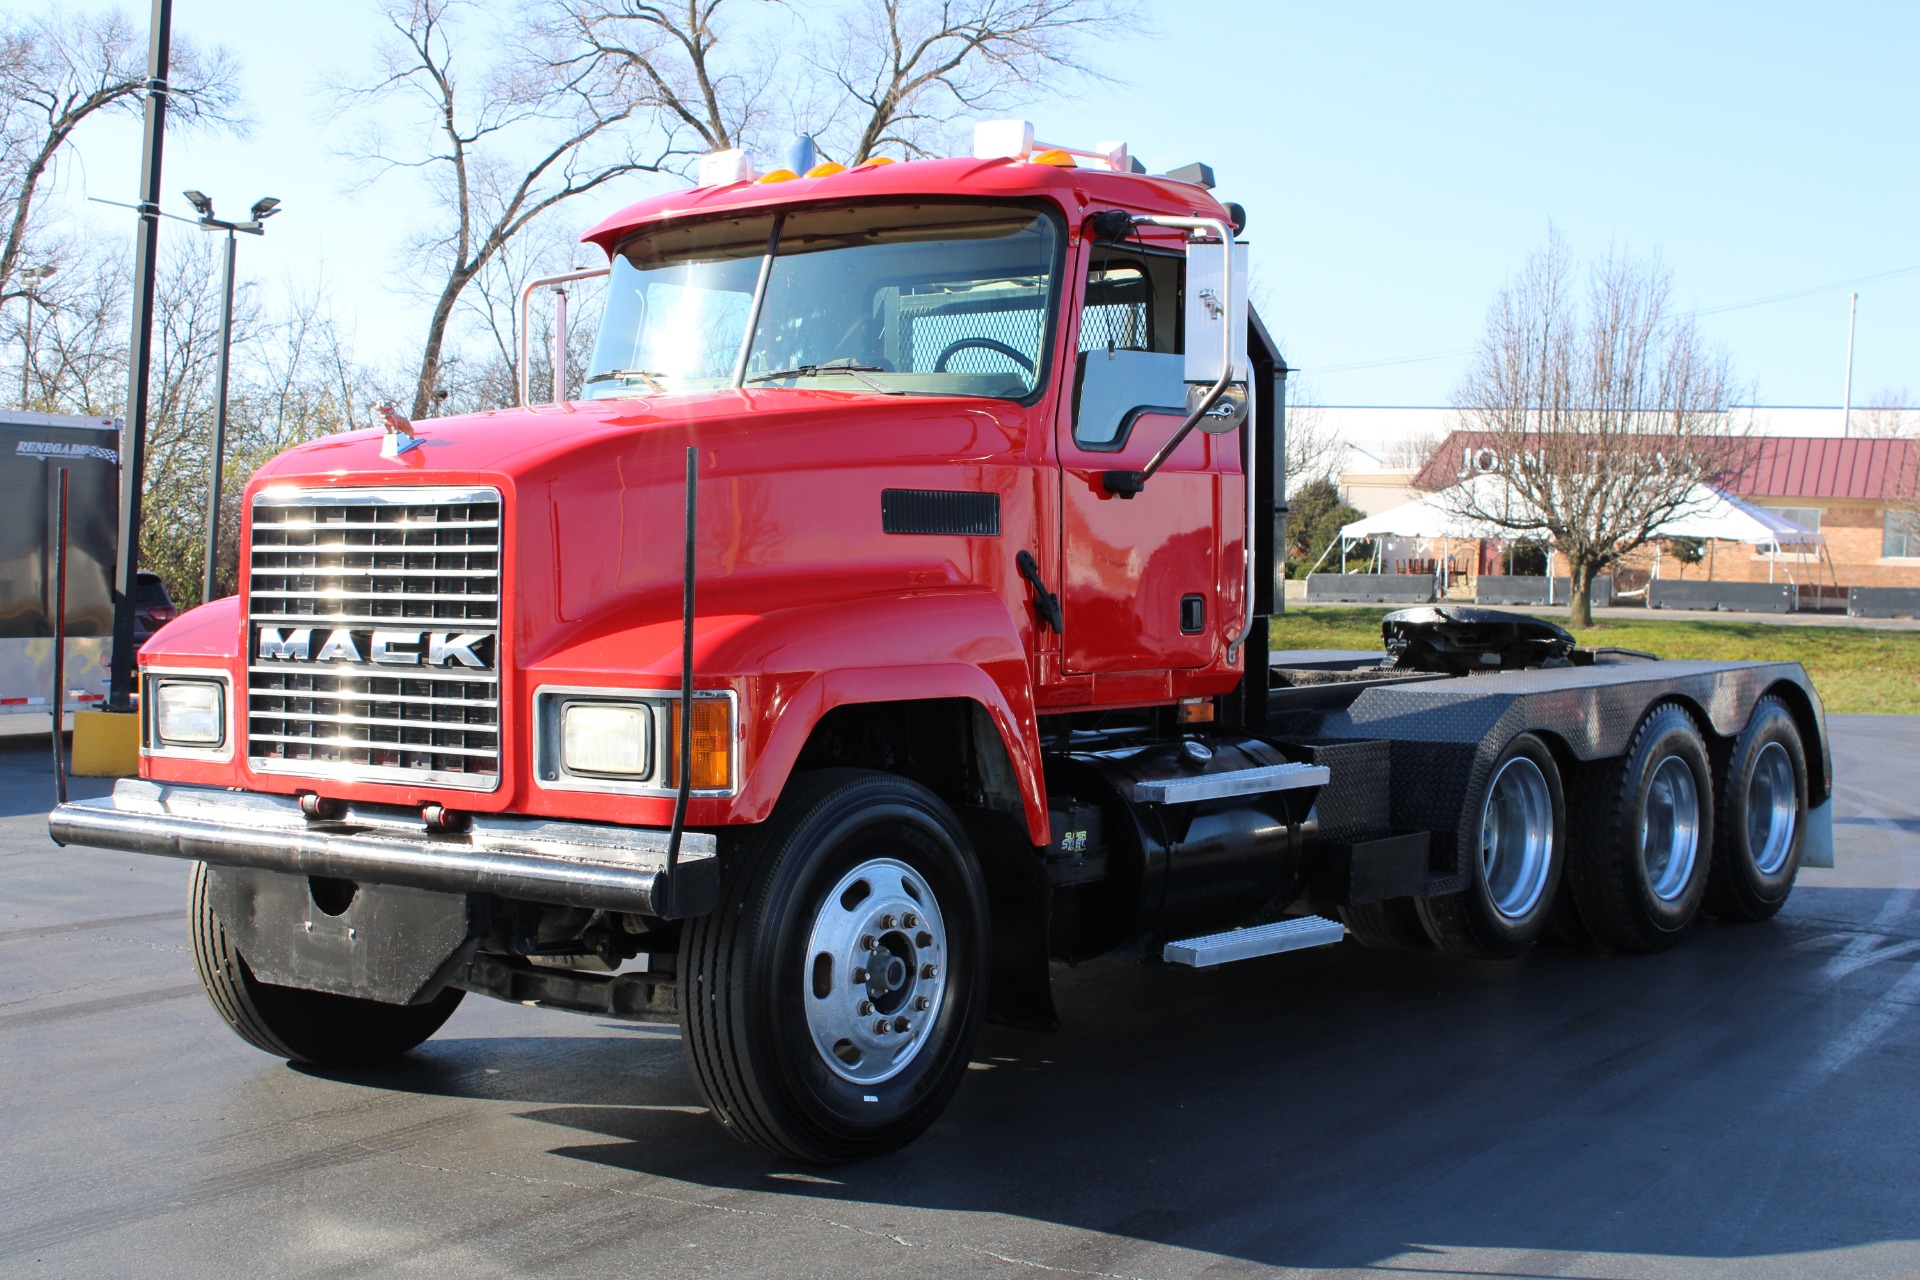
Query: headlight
column 190, row 713
column 606, row 738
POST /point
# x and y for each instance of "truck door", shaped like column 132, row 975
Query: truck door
column 1141, row 575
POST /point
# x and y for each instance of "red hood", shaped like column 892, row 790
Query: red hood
column 790, row 492
column 518, row 442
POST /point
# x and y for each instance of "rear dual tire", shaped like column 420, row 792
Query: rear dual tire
column 1762, row 807
column 1646, row 836
column 1514, row 848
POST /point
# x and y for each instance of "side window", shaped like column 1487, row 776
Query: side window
column 1901, row 534
column 1130, row 352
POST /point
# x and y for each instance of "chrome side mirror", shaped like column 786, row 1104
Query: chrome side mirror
column 1216, row 337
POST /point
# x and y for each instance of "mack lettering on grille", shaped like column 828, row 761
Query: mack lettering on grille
column 388, row 648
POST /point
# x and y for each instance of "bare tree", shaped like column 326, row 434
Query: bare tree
column 674, row 61
column 59, row 69
column 878, row 74
column 1413, row 451
column 488, row 377
column 1889, row 415
column 500, row 149
column 1315, row 450
column 905, row 70
column 1599, row 415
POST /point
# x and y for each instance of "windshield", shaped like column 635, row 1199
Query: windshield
column 926, row 299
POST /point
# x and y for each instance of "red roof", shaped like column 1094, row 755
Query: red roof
column 1778, row 467
column 1823, row 467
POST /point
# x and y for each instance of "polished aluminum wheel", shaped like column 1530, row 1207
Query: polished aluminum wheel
column 1516, row 837
column 1773, row 809
column 876, row 971
column 1670, row 829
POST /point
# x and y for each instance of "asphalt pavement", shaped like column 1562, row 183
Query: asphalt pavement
column 1742, row 1106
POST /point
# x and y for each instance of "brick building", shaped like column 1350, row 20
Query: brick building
column 1862, row 496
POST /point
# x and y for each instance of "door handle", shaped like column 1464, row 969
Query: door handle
column 1046, row 605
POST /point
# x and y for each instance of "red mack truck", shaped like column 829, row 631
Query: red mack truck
column 886, row 622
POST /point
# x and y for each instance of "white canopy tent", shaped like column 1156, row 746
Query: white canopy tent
column 1708, row 514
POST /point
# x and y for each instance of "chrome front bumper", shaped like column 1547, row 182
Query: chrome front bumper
column 574, row 864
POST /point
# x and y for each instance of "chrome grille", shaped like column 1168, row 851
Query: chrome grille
column 381, row 614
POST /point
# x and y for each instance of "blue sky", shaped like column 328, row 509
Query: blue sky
column 1398, row 161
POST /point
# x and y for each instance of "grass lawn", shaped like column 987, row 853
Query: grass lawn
column 1854, row 669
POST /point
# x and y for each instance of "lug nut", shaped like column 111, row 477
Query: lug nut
column 886, row 922
column 909, row 920
column 866, row 942
column 902, row 1025
column 922, row 1004
column 883, row 1026
column 923, row 939
column 928, row 971
column 859, row 977
column 866, row 1007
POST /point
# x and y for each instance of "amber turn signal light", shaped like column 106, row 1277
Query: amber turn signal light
column 712, row 745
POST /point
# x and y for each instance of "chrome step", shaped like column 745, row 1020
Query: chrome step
column 1188, row 788
column 1261, row 940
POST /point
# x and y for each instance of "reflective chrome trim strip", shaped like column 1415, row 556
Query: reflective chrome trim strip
column 317, row 717
column 333, row 696
column 328, row 771
column 398, row 597
column 365, row 671
column 353, row 571
column 374, row 744
column 423, row 495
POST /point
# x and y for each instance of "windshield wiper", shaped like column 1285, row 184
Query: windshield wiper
column 647, row 376
column 844, row 365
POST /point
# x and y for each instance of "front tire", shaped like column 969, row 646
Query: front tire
column 316, row 1027
column 1647, row 825
column 830, row 1004
column 1763, row 815
column 1513, row 859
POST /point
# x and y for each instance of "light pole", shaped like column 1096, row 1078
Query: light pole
column 262, row 210
column 38, row 275
column 1846, row 414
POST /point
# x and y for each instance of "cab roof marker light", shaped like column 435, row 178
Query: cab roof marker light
column 777, row 175
column 724, row 168
column 1118, row 158
column 1014, row 140
column 825, row 169
column 1002, row 139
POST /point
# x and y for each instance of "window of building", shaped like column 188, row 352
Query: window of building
column 1902, row 537
column 1807, row 518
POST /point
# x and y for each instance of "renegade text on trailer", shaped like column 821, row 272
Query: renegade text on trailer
column 887, row 619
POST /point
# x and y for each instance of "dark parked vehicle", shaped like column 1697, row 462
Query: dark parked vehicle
column 153, row 608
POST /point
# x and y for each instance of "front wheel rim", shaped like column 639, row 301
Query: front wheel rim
column 1773, row 809
column 875, row 978
column 1670, row 829
column 1516, row 837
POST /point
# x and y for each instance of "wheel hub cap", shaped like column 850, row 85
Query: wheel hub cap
column 1516, row 837
column 876, row 975
column 1670, row 829
column 1772, row 809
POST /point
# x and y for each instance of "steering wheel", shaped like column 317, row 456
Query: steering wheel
column 940, row 365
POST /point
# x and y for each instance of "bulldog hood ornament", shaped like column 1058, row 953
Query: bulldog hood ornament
column 400, row 438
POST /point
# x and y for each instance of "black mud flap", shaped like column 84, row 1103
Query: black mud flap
column 1019, row 902
column 376, row 942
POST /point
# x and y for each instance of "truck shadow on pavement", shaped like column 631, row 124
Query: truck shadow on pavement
column 1742, row 1096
